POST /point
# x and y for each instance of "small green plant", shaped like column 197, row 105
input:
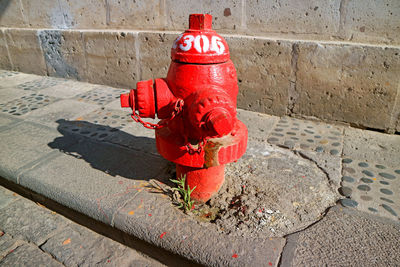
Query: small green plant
column 185, row 193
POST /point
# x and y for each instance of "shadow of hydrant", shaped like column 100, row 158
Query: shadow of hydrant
column 113, row 151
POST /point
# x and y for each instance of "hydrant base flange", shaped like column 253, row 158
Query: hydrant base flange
column 216, row 151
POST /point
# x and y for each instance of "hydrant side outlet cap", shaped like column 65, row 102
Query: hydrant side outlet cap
column 200, row 44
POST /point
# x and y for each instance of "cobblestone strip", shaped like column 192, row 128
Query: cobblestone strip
column 31, row 235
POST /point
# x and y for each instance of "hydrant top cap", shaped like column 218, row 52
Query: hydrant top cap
column 200, row 22
column 200, row 44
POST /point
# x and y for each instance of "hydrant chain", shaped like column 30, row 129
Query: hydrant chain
column 192, row 150
column 177, row 109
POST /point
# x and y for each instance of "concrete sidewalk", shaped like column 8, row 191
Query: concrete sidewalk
column 70, row 142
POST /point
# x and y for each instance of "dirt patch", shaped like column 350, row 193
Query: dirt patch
column 270, row 191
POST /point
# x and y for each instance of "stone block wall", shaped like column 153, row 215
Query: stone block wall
column 335, row 60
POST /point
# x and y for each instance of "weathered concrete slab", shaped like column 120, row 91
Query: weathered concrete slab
column 63, row 52
column 86, row 248
column 19, row 78
column 37, row 229
column 111, row 58
column 148, row 14
column 5, row 62
column 7, row 244
column 26, row 143
column 93, row 178
column 300, row 17
column 29, row 255
column 25, row 52
column 67, row 109
column 258, row 125
column 155, row 54
column 345, row 238
column 151, row 217
column 70, row 243
column 68, row 89
column 372, row 147
column 350, row 83
column 101, row 95
column 264, row 73
column 42, row 83
column 26, row 103
column 7, row 120
column 6, row 197
column 8, row 94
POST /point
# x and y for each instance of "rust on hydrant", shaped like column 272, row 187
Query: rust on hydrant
column 196, row 104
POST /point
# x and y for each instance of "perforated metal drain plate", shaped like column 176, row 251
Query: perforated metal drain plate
column 307, row 135
column 26, row 104
column 41, row 83
column 101, row 95
column 370, row 187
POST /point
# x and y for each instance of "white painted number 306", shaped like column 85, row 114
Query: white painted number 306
column 189, row 40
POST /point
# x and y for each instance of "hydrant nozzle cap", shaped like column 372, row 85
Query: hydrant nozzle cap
column 124, row 100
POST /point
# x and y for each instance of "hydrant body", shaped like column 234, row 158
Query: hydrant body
column 196, row 103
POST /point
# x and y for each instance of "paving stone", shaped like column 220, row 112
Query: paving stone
column 116, row 104
column 68, row 89
column 9, row 81
column 7, row 120
column 259, row 125
column 42, row 83
column 67, row 109
column 26, row 103
column 8, row 94
column 151, row 217
column 114, row 126
column 29, row 255
column 6, row 197
column 25, row 143
column 370, row 146
column 7, row 73
column 7, row 244
column 37, row 229
column 347, row 238
column 101, row 95
column 79, row 246
column 372, row 187
column 308, row 135
column 94, row 178
column 328, row 163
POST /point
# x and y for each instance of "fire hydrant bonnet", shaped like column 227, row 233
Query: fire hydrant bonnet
column 200, row 44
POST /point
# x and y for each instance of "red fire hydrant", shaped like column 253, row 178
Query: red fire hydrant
column 196, row 103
